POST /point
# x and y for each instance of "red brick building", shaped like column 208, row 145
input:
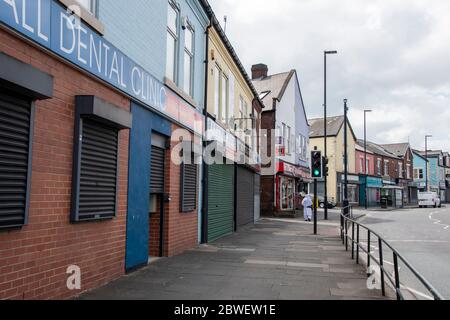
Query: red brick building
column 42, row 231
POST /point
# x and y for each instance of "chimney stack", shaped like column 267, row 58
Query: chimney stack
column 259, row 71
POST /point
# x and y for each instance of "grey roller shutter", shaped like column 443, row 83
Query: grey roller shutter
column 220, row 201
column 188, row 187
column 98, row 171
column 157, row 171
column 15, row 136
column 245, row 196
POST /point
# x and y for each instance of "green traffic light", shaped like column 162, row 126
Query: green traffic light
column 316, row 173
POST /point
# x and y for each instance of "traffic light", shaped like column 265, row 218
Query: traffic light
column 316, row 165
column 325, row 166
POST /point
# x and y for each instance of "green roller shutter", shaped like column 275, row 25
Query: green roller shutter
column 220, row 201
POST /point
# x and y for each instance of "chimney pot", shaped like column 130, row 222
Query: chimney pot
column 259, row 71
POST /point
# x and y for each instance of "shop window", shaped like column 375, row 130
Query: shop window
column 95, row 164
column 287, row 193
column 16, row 118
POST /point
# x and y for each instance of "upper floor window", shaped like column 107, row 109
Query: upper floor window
column 386, row 168
column 224, row 104
column 361, row 165
column 217, row 75
column 89, row 5
column 418, row 174
column 400, row 170
column 367, row 166
column 189, row 37
column 172, row 42
column 379, row 167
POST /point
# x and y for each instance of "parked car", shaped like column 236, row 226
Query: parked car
column 331, row 204
column 429, row 199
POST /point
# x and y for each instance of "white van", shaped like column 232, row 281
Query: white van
column 429, row 199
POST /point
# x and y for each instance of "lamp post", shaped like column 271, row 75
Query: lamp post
column 325, row 53
column 346, row 202
column 426, row 162
column 365, row 157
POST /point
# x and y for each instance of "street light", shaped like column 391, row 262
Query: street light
column 365, row 157
column 325, row 53
column 426, row 162
column 346, row 202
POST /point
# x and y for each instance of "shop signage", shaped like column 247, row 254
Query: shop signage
column 373, row 182
column 51, row 25
column 289, row 169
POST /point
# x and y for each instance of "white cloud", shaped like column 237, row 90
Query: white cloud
column 393, row 57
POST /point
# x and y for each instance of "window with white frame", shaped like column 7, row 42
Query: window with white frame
column 379, row 167
column 361, row 165
column 400, row 170
column 386, row 167
column 224, row 104
column 418, row 174
column 284, row 134
column 367, row 166
column 217, row 75
column 288, row 142
column 189, row 40
column 408, row 171
column 89, row 5
column 172, row 42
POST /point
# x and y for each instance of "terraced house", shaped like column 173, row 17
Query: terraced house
column 232, row 164
column 91, row 108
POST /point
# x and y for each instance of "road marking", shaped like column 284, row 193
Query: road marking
column 437, row 222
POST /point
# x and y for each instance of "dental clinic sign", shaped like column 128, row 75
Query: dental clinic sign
column 51, row 25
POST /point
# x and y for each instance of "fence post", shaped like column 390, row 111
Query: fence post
column 383, row 288
column 397, row 277
column 368, row 248
column 353, row 240
column 357, row 244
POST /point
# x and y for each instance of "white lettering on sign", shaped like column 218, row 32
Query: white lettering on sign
column 24, row 17
column 71, row 28
column 40, row 34
column 12, row 3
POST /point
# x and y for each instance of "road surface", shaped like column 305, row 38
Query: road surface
column 422, row 236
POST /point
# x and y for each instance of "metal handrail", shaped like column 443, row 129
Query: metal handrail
column 395, row 281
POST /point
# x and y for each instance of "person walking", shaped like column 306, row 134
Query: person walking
column 307, row 207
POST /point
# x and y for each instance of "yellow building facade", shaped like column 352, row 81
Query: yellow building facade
column 230, row 99
column 335, row 151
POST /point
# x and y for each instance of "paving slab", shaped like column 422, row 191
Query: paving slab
column 271, row 260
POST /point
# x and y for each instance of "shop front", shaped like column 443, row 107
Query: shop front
column 353, row 188
column 391, row 195
column 220, row 157
column 291, row 182
column 373, row 189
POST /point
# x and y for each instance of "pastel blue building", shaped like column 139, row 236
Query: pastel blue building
column 420, row 164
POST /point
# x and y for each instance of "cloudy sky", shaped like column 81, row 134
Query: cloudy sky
column 394, row 58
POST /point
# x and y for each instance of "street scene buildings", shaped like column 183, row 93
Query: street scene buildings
column 119, row 147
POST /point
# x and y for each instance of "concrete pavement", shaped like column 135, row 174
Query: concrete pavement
column 273, row 260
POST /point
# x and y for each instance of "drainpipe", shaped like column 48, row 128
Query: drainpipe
column 204, row 232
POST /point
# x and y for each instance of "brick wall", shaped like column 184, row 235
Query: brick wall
column 34, row 259
column 267, row 196
column 181, row 228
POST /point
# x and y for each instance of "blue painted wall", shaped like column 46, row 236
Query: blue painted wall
column 144, row 123
column 138, row 28
column 419, row 163
column 301, row 122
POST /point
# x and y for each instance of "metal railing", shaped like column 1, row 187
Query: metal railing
column 348, row 221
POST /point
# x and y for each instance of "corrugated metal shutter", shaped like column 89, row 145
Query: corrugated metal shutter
column 257, row 197
column 220, row 201
column 98, row 171
column 189, row 187
column 157, row 170
column 15, row 117
column 245, row 196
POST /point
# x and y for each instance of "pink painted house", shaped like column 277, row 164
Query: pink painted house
column 359, row 154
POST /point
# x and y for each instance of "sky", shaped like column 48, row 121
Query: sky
column 393, row 58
